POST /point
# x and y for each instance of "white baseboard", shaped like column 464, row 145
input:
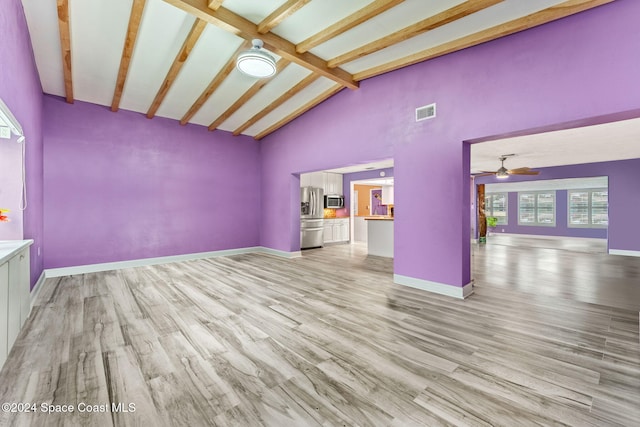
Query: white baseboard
column 38, row 286
column 435, row 287
column 284, row 254
column 94, row 268
column 623, row 252
column 541, row 236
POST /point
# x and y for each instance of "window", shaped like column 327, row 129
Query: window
column 495, row 204
column 589, row 208
column 537, row 208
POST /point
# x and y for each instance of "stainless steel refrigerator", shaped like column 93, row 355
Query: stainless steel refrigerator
column 311, row 217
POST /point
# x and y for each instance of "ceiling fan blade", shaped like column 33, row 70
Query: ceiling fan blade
column 526, row 172
column 483, row 174
column 516, row 170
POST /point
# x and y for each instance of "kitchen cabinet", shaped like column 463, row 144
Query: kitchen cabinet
column 4, row 304
column 15, row 294
column 317, row 179
column 331, row 183
column 328, row 232
column 387, row 195
column 336, row 230
column 18, row 283
column 341, row 230
column 313, row 179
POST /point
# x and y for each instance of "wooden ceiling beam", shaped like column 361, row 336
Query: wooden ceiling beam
column 278, row 102
column 215, row 83
column 300, row 111
column 214, row 4
column 280, row 14
column 246, row 29
column 445, row 17
column 129, row 43
column 344, row 25
column 65, row 44
column 282, row 63
column 549, row 14
column 194, row 34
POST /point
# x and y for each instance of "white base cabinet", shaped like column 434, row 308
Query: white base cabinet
column 15, row 294
column 4, row 304
column 336, row 230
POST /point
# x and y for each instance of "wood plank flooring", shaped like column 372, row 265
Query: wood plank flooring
column 326, row 339
column 577, row 269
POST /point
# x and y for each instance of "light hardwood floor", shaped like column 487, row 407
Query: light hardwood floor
column 326, row 339
column 576, row 269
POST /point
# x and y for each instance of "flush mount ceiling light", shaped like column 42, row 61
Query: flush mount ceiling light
column 256, row 62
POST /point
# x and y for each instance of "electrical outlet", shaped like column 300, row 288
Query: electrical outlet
column 38, row 250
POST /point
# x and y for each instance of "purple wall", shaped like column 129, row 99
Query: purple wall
column 348, row 178
column 120, row 187
column 624, row 201
column 527, row 80
column 21, row 91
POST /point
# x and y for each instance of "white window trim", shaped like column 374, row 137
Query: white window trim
column 590, row 225
column 506, row 206
column 536, row 223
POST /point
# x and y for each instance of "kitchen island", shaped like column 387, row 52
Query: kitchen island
column 380, row 236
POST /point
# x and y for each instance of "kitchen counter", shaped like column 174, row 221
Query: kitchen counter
column 380, row 236
column 8, row 248
column 378, row 218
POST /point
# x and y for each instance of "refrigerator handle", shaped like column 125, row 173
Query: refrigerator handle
column 313, row 204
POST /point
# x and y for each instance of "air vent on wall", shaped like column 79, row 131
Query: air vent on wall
column 426, row 112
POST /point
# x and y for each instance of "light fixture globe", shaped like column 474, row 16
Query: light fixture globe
column 256, row 62
column 502, row 173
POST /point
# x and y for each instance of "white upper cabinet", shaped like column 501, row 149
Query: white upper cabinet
column 331, row 183
column 305, row 180
column 338, row 183
column 326, row 184
column 387, row 194
column 317, row 179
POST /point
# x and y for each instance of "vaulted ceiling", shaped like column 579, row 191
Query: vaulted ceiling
column 176, row 58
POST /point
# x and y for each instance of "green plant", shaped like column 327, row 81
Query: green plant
column 492, row 221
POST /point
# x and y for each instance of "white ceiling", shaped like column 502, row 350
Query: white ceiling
column 382, row 164
column 548, row 184
column 98, row 29
column 375, row 181
column 590, row 144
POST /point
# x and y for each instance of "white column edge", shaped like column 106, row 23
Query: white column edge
column 460, row 292
column 624, row 252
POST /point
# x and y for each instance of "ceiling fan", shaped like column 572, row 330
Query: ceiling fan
column 503, row 172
